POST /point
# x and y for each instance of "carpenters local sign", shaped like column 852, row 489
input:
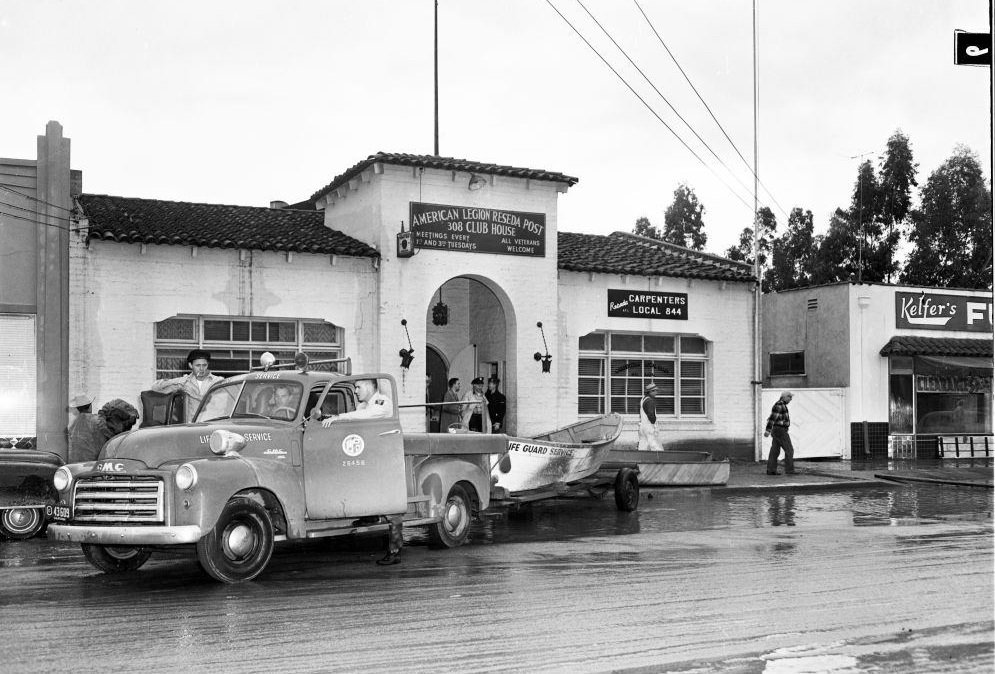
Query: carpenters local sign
column 934, row 311
column 478, row 230
column 647, row 304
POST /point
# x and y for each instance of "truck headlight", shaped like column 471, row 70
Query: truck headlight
column 62, row 479
column 225, row 442
column 186, row 476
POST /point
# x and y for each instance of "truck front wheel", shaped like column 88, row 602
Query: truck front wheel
column 20, row 523
column 115, row 558
column 239, row 546
column 457, row 512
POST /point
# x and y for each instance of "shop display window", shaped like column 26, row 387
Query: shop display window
column 953, row 395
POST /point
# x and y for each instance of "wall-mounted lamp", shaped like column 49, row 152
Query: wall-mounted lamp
column 476, row 182
column 547, row 359
column 407, row 355
column 405, row 242
column 440, row 312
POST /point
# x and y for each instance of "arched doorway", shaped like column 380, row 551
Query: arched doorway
column 469, row 325
column 437, row 373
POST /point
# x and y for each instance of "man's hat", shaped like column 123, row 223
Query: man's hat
column 198, row 353
column 80, row 400
column 477, row 381
column 650, row 387
column 494, row 379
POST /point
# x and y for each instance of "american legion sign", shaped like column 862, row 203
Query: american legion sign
column 478, row 230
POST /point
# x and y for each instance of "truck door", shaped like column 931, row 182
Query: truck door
column 355, row 467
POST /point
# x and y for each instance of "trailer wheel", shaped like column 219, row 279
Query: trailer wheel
column 115, row 558
column 239, row 546
column 626, row 490
column 452, row 531
column 18, row 524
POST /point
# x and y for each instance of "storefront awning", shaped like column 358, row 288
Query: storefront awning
column 937, row 346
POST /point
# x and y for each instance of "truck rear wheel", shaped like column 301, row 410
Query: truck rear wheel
column 239, row 546
column 457, row 512
column 18, row 524
column 626, row 490
column 115, row 558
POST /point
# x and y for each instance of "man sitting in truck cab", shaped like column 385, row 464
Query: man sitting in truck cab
column 372, row 404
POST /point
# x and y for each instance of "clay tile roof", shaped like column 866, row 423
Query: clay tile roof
column 906, row 345
column 445, row 163
column 622, row 253
column 179, row 223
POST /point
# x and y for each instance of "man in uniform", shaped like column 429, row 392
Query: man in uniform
column 372, row 404
column 497, row 405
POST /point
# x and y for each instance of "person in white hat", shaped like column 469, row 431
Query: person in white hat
column 87, row 433
column 647, row 420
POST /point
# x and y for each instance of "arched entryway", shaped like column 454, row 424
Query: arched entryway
column 469, row 330
column 436, row 373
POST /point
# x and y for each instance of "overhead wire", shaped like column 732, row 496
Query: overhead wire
column 647, row 105
column 660, row 94
column 35, row 199
column 707, row 107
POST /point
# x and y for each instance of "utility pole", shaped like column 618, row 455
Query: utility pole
column 436, row 58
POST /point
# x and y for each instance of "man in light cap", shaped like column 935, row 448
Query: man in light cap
column 193, row 385
column 87, row 433
column 777, row 427
column 473, row 411
column 647, row 420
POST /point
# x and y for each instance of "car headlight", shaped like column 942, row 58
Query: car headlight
column 62, row 479
column 186, row 476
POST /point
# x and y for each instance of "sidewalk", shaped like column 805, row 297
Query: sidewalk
column 811, row 475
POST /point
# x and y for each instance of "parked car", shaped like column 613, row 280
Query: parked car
column 26, row 491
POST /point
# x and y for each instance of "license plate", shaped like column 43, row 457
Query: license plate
column 57, row 512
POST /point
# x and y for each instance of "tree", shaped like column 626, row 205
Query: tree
column 951, row 232
column 793, row 253
column 743, row 251
column 836, row 258
column 644, row 228
column 898, row 177
column 682, row 222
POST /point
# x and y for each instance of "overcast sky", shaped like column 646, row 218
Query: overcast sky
column 249, row 101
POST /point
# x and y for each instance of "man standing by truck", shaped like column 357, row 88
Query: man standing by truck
column 194, row 385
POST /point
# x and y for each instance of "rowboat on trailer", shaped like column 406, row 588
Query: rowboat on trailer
column 566, row 455
column 673, row 468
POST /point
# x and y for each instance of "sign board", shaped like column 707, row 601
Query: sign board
column 935, row 311
column 972, row 49
column 647, row 304
column 478, row 230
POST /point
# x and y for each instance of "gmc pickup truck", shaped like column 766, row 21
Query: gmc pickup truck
column 252, row 469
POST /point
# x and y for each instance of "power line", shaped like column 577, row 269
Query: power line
column 647, row 105
column 36, row 199
column 660, row 94
column 39, row 222
column 707, row 107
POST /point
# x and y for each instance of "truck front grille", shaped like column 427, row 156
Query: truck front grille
column 118, row 499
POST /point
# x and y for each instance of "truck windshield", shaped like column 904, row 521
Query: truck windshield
column 268, row 399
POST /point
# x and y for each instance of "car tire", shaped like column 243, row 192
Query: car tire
column 457, row 514
column 240, row 545
column 115, row 558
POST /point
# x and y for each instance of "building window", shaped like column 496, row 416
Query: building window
column 614, row 368
column 18, row 398
column 787, row 363
column 236, row 343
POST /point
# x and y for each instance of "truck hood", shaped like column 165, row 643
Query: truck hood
column 161, row 445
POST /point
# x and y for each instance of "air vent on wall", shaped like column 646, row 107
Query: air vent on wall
column 813, row 304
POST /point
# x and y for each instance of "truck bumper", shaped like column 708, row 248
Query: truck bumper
column 125, row 535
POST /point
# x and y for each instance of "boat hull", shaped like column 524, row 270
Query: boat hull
column 674, row 468
column 562, row 456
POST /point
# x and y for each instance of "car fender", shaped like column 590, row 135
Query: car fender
column 274, row 484
column 435, row 476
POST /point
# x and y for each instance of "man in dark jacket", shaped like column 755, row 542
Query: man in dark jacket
column 496, row 405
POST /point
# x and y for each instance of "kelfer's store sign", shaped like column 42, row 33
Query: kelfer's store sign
column 647, row 304
column 478, row 230
column 932, row 311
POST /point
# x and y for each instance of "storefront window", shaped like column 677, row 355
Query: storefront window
column 953, row 395
column 614, row 368
column 236, row 343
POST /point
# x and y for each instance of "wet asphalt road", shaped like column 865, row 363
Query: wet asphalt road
column 890, row 579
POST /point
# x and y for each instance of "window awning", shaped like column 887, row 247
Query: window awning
column 905, row 345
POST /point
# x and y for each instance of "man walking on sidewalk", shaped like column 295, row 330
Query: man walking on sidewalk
column 777, row 427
